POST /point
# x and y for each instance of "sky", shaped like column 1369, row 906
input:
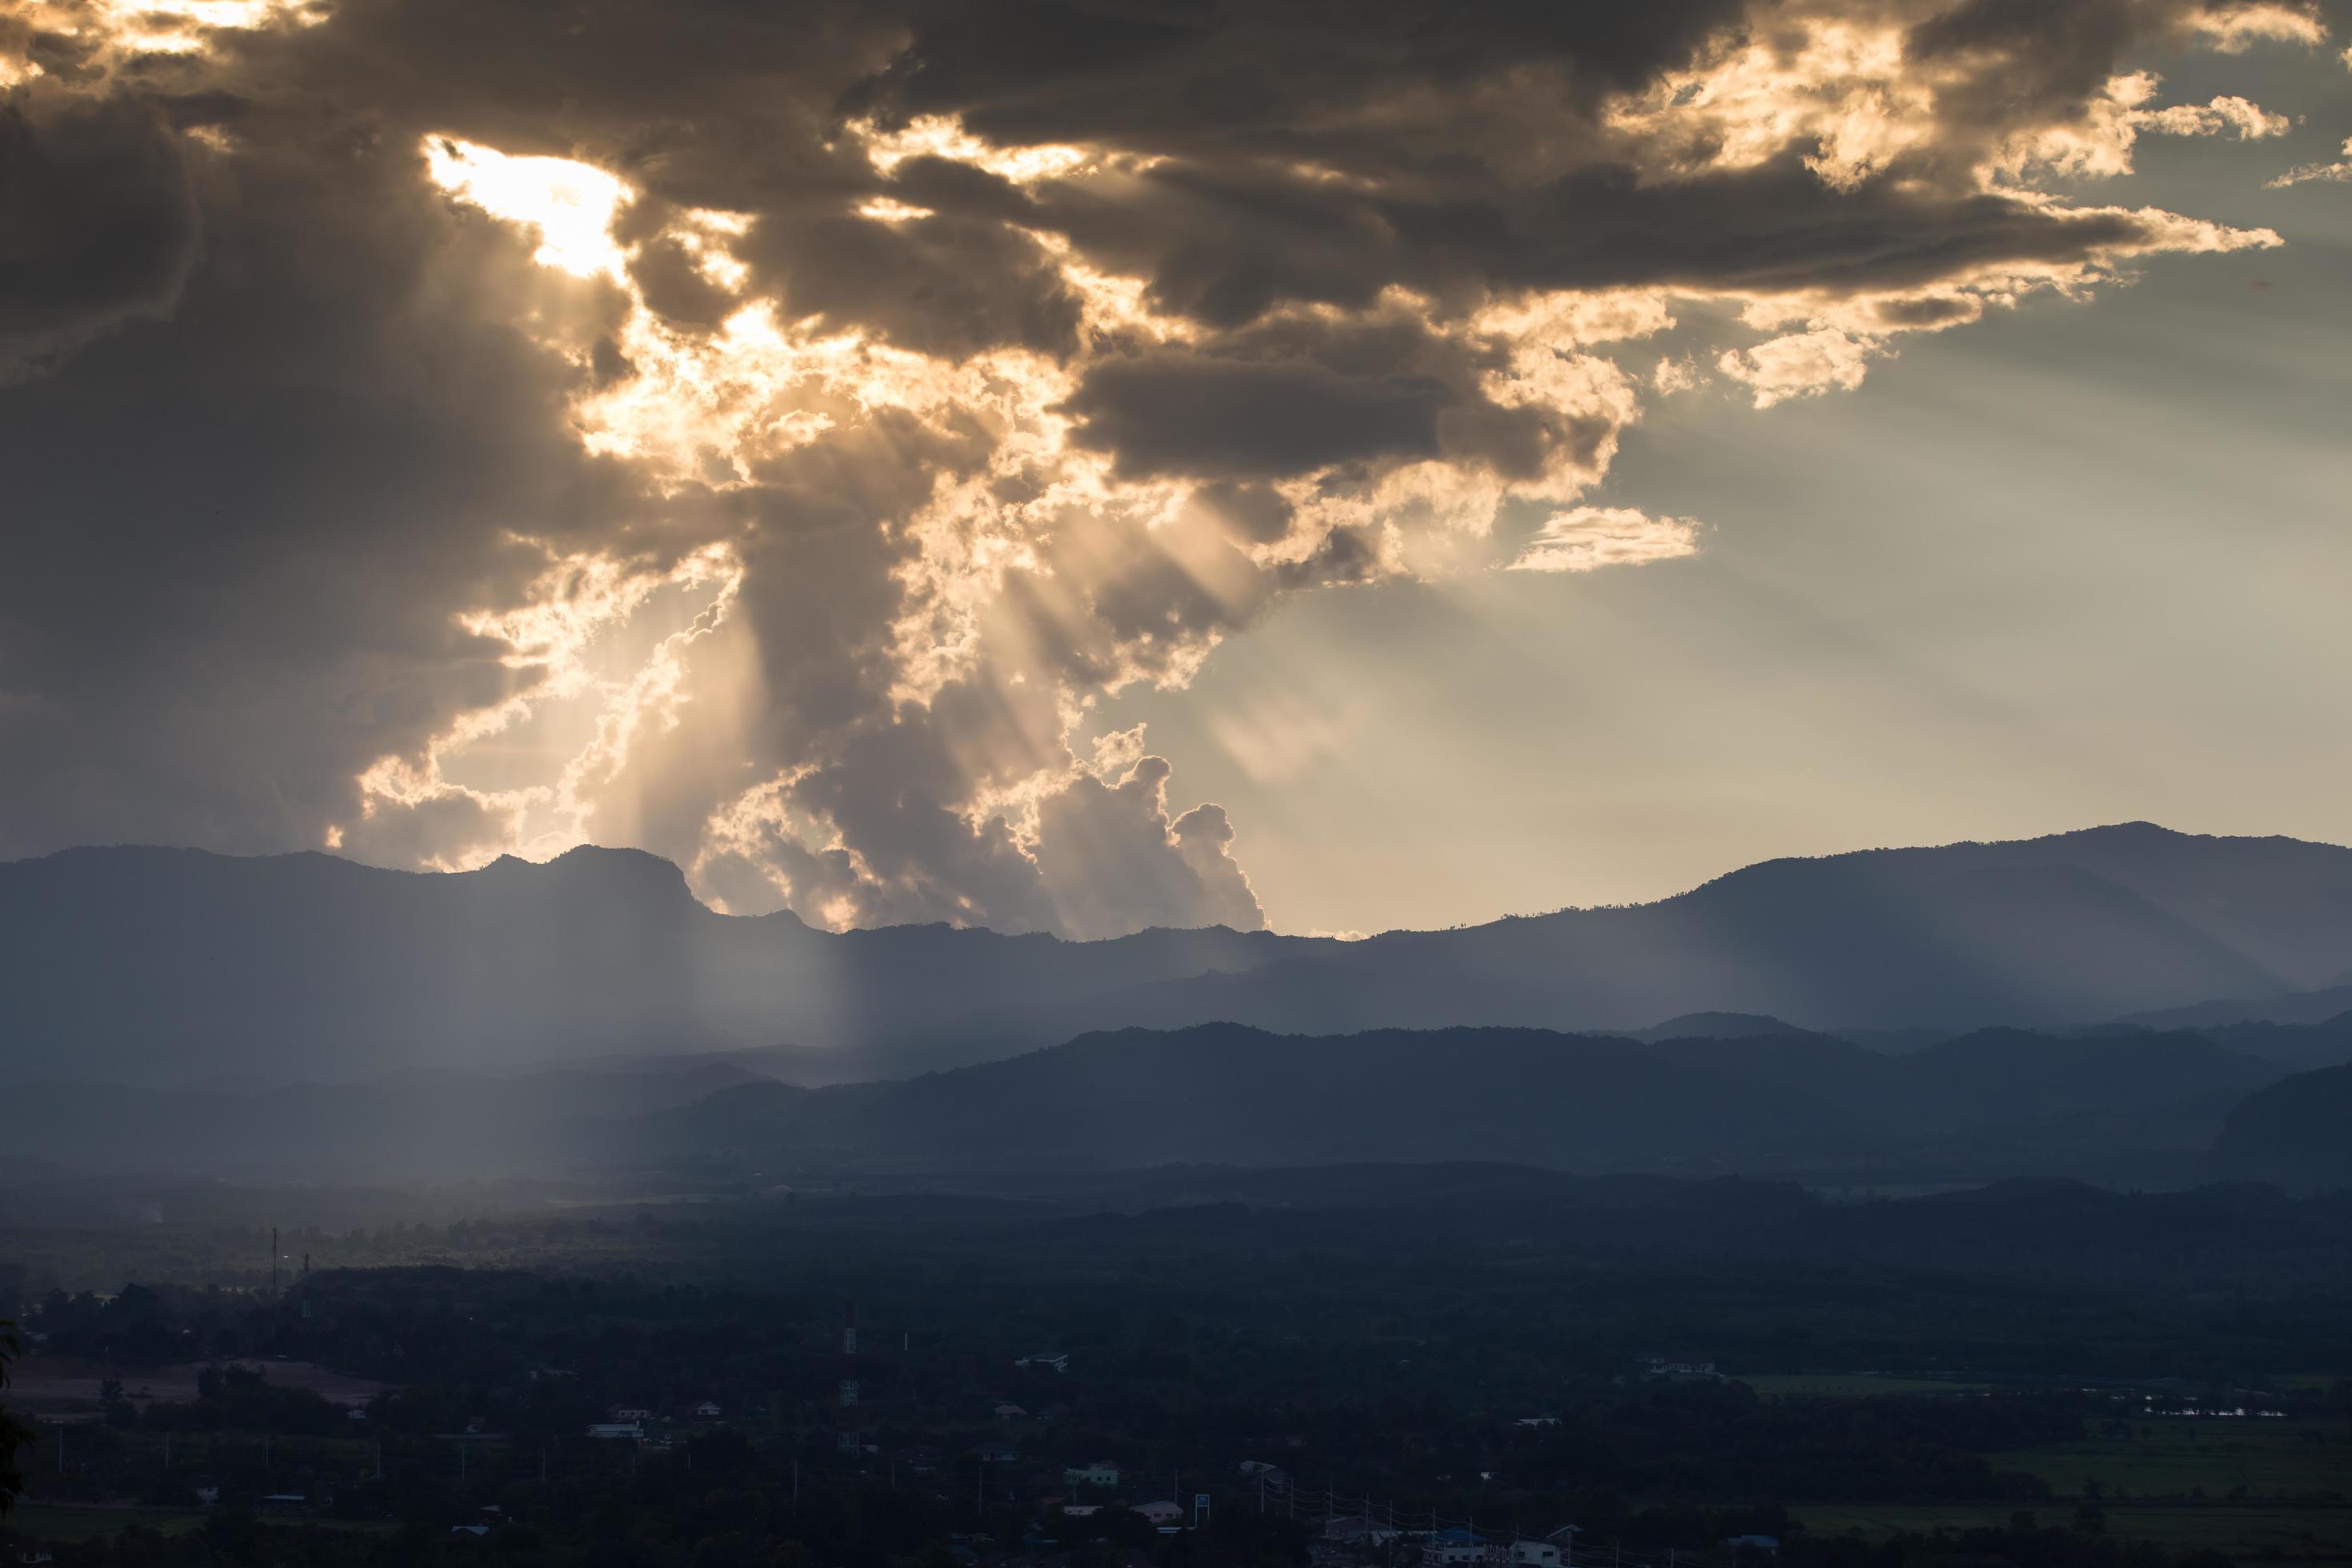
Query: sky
column 1081, row 468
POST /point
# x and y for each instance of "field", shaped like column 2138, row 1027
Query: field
column 53, row 1522
column 42, row 1380
column 2274, row 1490
column 1848, row 1385
column 2272, row 1532
column 2185, row 1459
column 65, row 1523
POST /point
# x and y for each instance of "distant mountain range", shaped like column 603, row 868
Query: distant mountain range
column 1997, row 1102
column 2297, row 1133
column 2132, row 1105
column 164, row 966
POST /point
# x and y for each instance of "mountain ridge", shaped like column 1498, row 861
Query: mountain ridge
column 158, row 964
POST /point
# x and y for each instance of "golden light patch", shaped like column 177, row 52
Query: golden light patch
column 570, row 205
column 883, row 210
column 1588, row 538
column 126, row 29
column 943, row 136
column 1847, row 88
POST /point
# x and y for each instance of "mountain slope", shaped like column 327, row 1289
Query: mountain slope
column 2069, row 928
column 165, row 965
column 2294, row 1131
column 1227, row 1094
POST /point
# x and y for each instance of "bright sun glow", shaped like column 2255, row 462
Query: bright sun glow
column 943, row 136
column 570, row 205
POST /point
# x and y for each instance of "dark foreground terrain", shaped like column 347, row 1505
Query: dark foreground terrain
column 1348, row 1365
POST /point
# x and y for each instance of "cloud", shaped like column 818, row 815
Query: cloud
column 2305, row 174
column 766, row 435
column 100, row 219
column 1801, row 365
column 1588, row 538
column 1191, row 414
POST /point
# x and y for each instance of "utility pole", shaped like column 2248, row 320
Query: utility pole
column 273, row 1263
column 847, row 1440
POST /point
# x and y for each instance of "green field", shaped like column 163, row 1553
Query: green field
column 66, row 1523
column 53, row 1522
column 2308, row 1534
column 2279, row 1490
column 2181, row 1459
column 1848, row 1385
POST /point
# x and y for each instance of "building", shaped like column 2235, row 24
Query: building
column 1059, row 1361
column 1455, row 1548
column 1160, row 1512
column 1535, row 1554
column 707, row 1411
column 1008, row 1411
column 1682, row 1366
column 618, row 1431
column 1271, row 1481
column 1101, row 1473
column 1538, row 1421
column 628, row 1413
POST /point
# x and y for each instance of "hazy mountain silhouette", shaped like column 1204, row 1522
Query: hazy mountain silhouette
column 2294, row 1131
column 1714, row 1027
column 2069, row 928
column 1994, row 1102
column 1226, row 1094
column 167, row 965
column 2294, row 1007
column 415, row 1123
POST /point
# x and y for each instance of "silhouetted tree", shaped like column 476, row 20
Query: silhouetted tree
column 13, row 1435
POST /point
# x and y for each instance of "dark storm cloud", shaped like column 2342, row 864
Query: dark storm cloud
column 1767, row 230
column 938, row 285
column 290, row 429
column 236, row 544
column 1241, row 419
column 1287, row 76
column 98, row 223
column 1255, row 513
